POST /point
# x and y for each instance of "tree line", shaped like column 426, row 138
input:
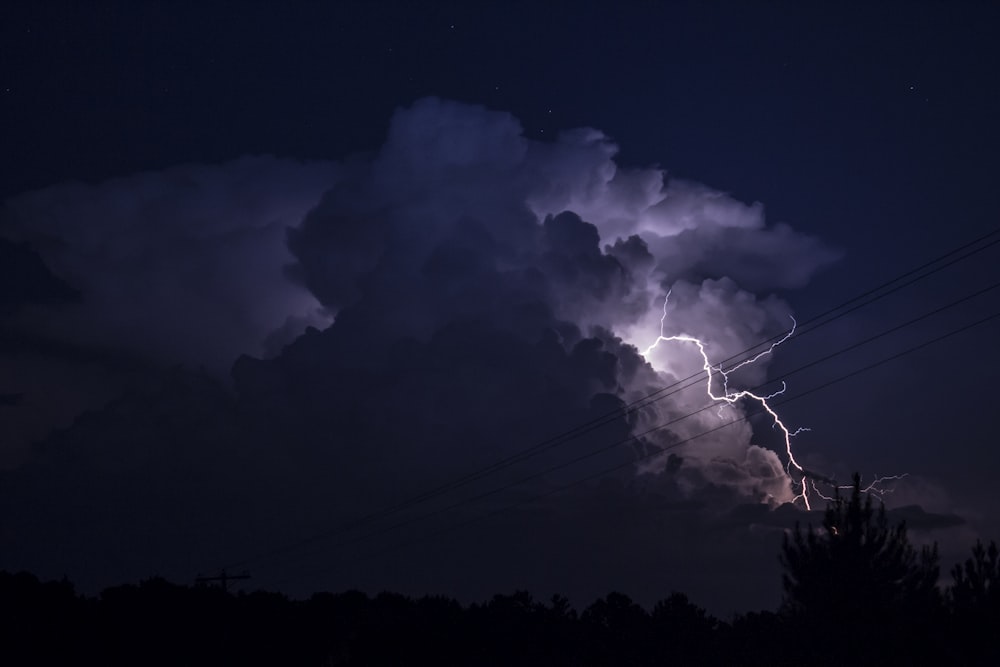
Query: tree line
column 856, row 592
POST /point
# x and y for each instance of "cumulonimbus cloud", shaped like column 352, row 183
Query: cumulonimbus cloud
column 457, row 219
column 460, row 216
column 470, row 291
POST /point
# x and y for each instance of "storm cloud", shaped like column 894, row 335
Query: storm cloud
column 461, row 218
column 396, row 320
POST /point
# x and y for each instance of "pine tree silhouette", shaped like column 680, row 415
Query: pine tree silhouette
column 856, row 589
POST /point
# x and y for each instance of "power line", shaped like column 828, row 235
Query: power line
column 675, row 420
column 861, row 300
column 222, row 578
column 639, row 436
column 660, row 451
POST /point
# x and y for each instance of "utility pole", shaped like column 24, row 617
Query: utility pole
column 222, row 578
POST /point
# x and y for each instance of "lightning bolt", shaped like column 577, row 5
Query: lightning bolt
column 730, row 397
column 876, row 487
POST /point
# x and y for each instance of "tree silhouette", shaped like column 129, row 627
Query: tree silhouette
column 859, row 577
column 618, row 630
column 977, row 583
column 39, row 621
column 974, row 598
column 683, row 632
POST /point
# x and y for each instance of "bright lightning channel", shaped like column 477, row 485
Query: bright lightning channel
column 876, row 487
column 730, row 397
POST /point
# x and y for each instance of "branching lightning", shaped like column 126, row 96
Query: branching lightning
column 731, row 397
column 876, row 487
column 795, row 471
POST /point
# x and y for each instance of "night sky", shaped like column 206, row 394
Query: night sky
column 320, row 290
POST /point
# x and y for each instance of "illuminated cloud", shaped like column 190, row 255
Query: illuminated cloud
column 460, row 217
column 481, row 292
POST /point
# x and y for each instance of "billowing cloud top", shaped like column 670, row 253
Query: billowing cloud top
column 455, row 180
column 454, row 185
column 460, row 217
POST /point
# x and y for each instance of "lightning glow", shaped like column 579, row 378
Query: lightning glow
column 730, row 397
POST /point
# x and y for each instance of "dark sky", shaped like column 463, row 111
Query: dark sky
column 186, row 183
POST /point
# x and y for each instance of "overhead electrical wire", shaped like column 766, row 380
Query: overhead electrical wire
column 675, row 420
column 863, row 299
column 604, row 472
column 915, row 275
